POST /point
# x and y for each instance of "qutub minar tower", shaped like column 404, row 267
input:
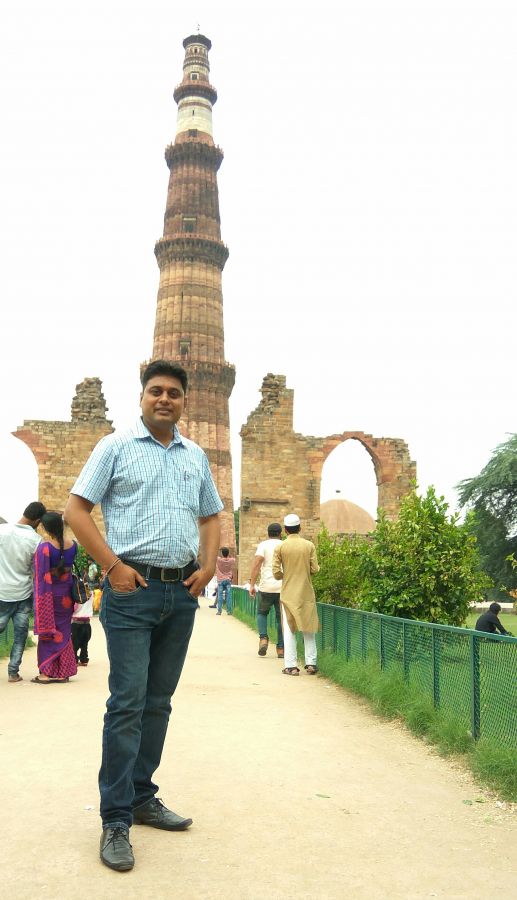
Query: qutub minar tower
column 191, row 256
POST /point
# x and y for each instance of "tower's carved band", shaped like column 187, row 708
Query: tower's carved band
column 192, row 247
column 195, row 153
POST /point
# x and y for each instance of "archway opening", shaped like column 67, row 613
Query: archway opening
column 18, row 477
column 349, row 493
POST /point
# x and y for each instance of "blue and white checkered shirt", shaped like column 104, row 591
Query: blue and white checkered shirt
column 151, row 496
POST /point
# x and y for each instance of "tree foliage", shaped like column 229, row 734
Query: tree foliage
column 423, row 566
column 492, row 497
column 495, row 488
column 81, row 561
column 340, row 559
column 496, row 549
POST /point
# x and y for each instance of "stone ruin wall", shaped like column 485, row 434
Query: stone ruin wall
column 62, row 448
column 281, row 470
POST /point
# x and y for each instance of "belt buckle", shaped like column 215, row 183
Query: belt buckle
column 170, row 580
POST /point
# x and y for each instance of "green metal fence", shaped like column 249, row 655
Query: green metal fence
column 468, row 674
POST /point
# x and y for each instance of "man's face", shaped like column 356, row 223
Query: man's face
column 162, row 402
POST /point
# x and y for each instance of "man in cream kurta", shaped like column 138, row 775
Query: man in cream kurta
column 294, row 562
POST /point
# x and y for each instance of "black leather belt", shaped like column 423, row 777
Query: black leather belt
column 168, row 575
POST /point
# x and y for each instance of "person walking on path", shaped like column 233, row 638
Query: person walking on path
column 294, row 562
column 18, row 543
column 53, row 604
column 268, row 593
column 225, row 569
column 161, row 511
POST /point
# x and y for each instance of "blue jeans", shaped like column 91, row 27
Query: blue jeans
column 19, row 611
column 147, row 635
column 264, row 604
column 224, row 587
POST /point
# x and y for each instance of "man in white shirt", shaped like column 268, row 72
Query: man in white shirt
column 268, row 594
column 17, row 547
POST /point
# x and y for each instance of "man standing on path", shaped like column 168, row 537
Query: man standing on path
column 294, row 562
column 17, row 547
column 225, row 568
column 268, row 590
column 160, row 509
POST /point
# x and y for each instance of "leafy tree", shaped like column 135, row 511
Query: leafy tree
column 496, row 549
column 495, row 488
column 339, row 579
column 81, row 561
column 423, row 566
column 492, row 495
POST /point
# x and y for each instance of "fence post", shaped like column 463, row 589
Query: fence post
column 474, row 687
column 436, row 667
column 405, row 655
column 381, row 643
column 348, row 638
column 334, row 629
column 363, row 637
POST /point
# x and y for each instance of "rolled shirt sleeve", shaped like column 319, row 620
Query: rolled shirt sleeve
column 97, row 473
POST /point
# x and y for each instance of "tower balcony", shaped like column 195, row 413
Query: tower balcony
column 195, row 89
column 193, row 151
column 193, row 246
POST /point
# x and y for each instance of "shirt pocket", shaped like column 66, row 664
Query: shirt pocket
column 188, row 488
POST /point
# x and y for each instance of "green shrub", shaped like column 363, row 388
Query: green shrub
column 423, row 566
column 339, row 580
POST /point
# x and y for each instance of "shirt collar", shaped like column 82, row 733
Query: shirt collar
column 141, row 432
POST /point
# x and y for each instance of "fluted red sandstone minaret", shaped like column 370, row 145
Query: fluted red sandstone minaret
column 191, row 256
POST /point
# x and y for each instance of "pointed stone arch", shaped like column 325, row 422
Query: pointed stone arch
column 393, row 467
column 281, row 470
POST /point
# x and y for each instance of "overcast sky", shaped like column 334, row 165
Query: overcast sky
column 368, row 198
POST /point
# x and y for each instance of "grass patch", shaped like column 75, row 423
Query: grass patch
column 495, row 767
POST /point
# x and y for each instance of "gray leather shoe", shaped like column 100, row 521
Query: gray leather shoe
column 116, row 851
column 157, row 815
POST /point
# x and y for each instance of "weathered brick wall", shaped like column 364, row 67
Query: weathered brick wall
column 281, row 470
column 62, row 448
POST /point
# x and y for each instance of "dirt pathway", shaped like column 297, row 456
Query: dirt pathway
column 295, row 789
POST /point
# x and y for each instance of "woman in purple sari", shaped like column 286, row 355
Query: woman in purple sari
column 53, row 604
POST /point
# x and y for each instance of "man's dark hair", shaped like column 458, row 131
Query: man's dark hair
column 225, row 552
column 495, row 608
column 274, row 529
column 163, row 367
column 34, row 511
column 292, row 529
